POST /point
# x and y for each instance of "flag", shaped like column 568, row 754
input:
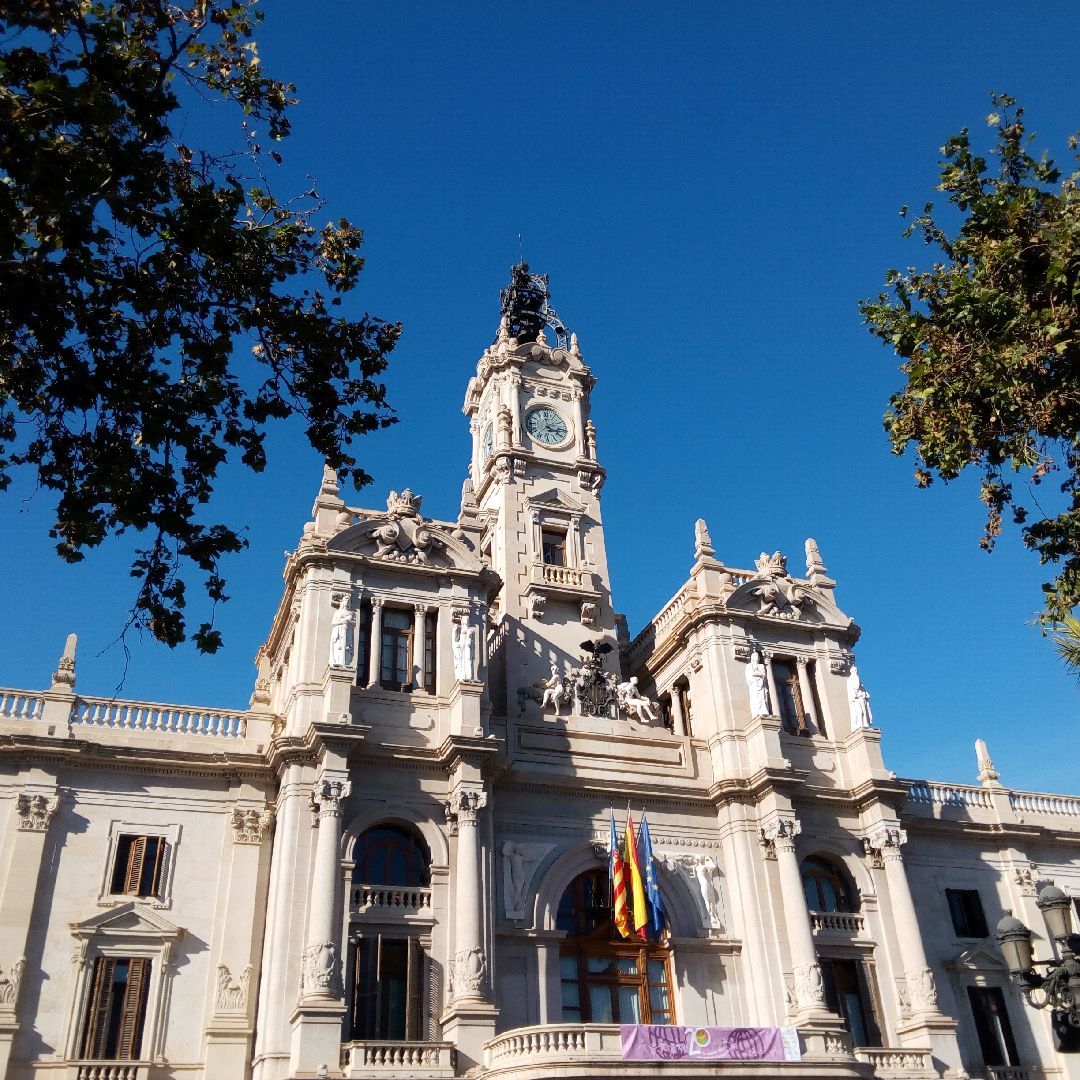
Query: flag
column 637, row 886
column 618, row 884
column 658, row 914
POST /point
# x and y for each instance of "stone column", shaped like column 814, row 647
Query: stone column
column 375, row 638
column 316, row 1021
column 885, row 842
column 778, row 835
column 803, row 665
column 34, row 810
column 419, row 617
column 579, row 426
column 676, row 711
column 513, row 401
column 774, row 698
column 469, row 1020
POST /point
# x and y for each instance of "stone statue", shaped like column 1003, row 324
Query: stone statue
column 707, row 874
column 859, row 701
column 555, row 692
column 341, row 634
column 631, row 699
column 464, row 648
column 757, row 683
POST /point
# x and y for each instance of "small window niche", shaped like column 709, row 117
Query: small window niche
column 140, row 864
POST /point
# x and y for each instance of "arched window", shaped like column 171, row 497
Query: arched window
column 825, row 887
column 390, row 855
column 607, row 979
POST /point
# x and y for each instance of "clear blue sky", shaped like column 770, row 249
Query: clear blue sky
column 711, row 188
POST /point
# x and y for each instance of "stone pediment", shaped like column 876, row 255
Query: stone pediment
column 407, row 541
column 555, row 499
column 782, row 597
column 128, row 920
column 979, row 957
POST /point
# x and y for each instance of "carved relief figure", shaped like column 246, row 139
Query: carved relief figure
column 632, row 700
column 341, row 635
column 707, row 874
column 319, row 972
column 757, row 683
column 467, row 971
column 859, row 700
column 232, row 994
column 519, row 863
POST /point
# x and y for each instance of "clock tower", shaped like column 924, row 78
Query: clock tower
column 536, row 483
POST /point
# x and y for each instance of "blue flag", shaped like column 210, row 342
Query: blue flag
column 657, row 914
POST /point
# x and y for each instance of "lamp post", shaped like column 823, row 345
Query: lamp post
column 1059, row 989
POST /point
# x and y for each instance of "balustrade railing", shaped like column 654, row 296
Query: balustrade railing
column 1034, row 803
column 148, row 716
column 562, row 575
column 898, row 1062
column 391, row 899
column 850, row 922
column 1011, row 1072
column 384, row 1058
column 543, row 1041
column 931, row 794
column 111, row 1070
column 20, row 705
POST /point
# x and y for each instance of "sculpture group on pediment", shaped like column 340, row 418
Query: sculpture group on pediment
column 592, row 691
column 634, row 703
column 778, row 595
column 595, row 690
column 404, row 535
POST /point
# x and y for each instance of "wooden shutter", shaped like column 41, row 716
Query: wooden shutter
column 136, row 858
column 155, row 863
column 129, row 1036
column 414, row 991
column 97, row 1014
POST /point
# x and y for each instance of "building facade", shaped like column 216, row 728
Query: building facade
column 395, row 862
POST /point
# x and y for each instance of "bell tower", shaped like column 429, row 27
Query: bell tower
column 536, row 481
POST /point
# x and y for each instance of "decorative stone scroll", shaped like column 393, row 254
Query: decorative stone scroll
column 35, row 811
column 10, row 982
column 231, row 995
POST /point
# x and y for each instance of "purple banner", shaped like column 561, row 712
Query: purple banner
column 672, row 1042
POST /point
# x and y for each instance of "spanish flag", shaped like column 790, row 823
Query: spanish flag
column 618, row 884
column 637, row 884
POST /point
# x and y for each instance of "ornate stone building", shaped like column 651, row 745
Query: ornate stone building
column 394, row 863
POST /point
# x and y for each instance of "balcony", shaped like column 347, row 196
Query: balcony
column 595, row 1050
column 898, row 1063
column 390, row 901
column 398, row 1060
column 110, row 1070
column 836, row 922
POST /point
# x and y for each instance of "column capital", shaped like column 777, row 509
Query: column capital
column 463, row 808
column 802, row 661
column 779, row 832
column 884, row 842
column 327, row 795
column 250, row 825
column 35, row 811
column 376, row 603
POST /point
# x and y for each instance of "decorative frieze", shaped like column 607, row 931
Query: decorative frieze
column 231, row 995
column 35, row 811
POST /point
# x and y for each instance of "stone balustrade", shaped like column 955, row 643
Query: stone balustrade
column 897, row 1063
column 1012, row 1072
column 20, row 705
column 932, row 794
column 551, row 1041
column 563, row 575
column 111, row 1070
column 847, row 922
column 1032, row 802
column 149, row 716
column 398, row 1060
column 390, row 900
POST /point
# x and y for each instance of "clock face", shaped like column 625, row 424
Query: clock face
column 488, row 443
column 545, row 425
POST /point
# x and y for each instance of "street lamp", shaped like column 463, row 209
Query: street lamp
column 1059, row 989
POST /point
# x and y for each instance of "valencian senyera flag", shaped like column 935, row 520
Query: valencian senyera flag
column 617, row 874
column 637, row 885
column 657, row 913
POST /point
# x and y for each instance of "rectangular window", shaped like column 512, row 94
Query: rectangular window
column 792, row 710
column 138, row 866
column 992, row 1025
column 117, row 1009
column 819, row 714
column 848, row 992
column 395, row 672
column 431, row 625
column 686, row 706
column 387, row 983
column 553, row 543
column 363, row 641
column 619, row 987
column 966, row 911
